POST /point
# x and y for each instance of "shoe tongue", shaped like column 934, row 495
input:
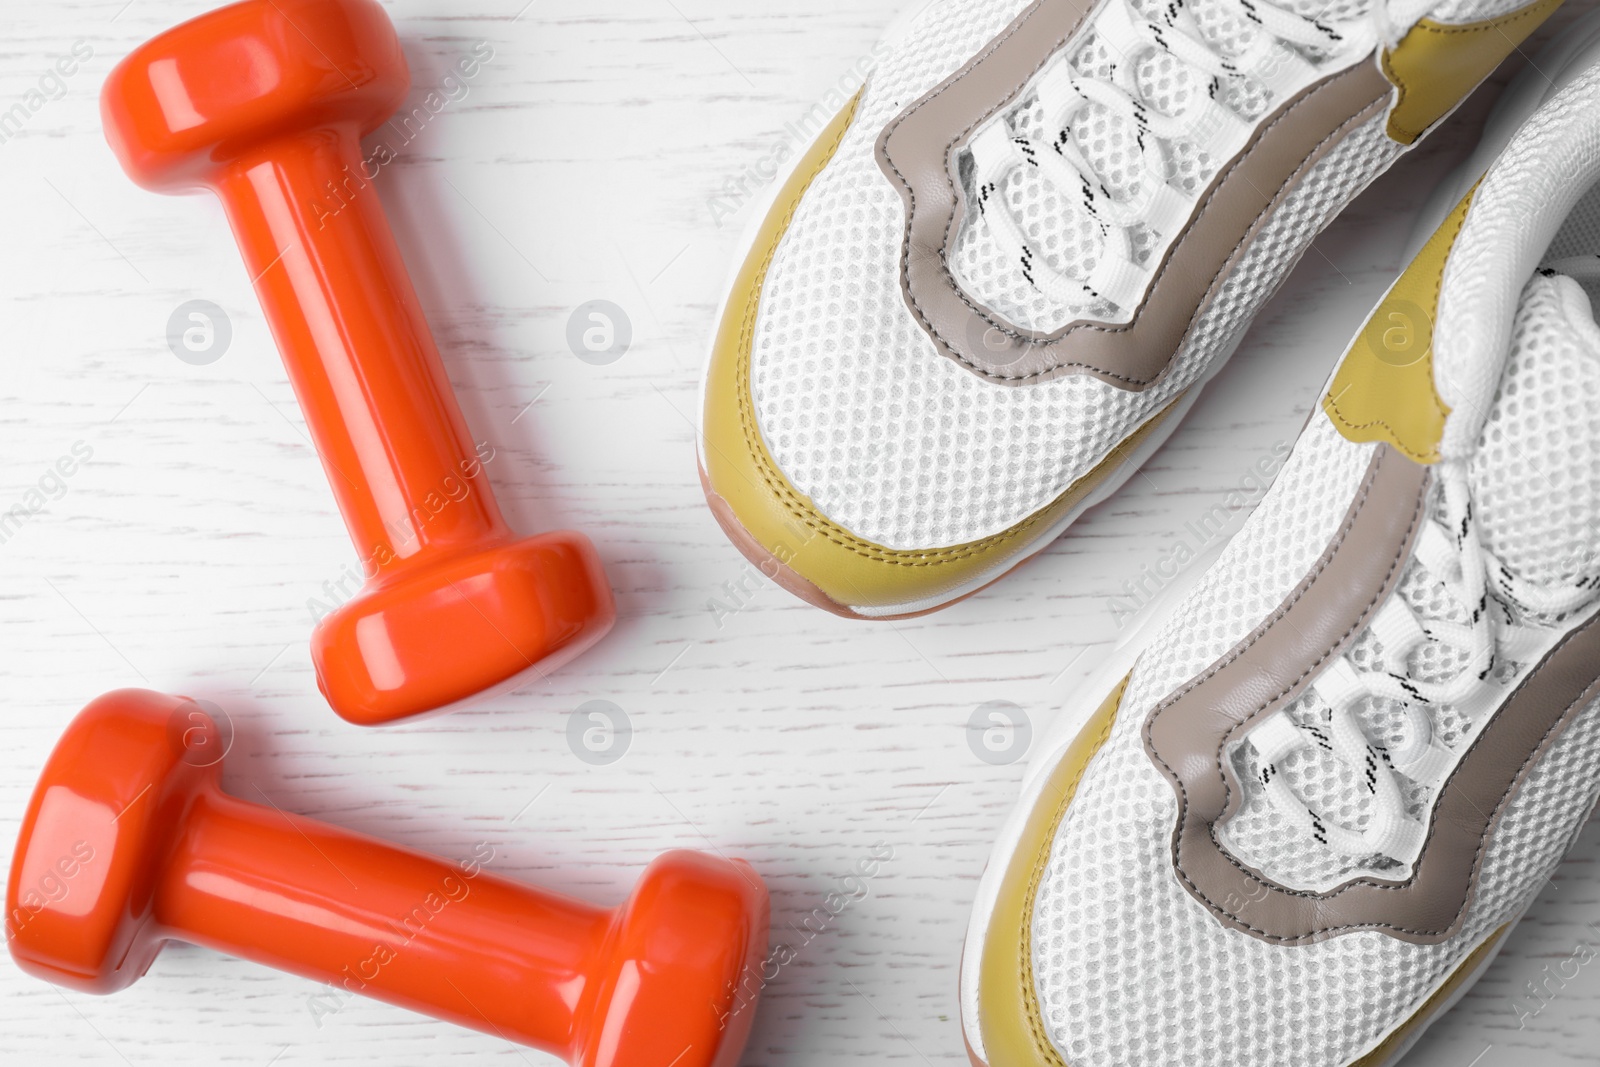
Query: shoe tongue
column 1536, row 472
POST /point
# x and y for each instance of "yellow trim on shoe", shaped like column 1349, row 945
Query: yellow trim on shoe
column 1009, row 1019
column 775, row 525
column 1436, row 65
column 1014, row 1033
column 1384, row 388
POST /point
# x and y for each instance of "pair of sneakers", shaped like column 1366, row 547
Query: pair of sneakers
column 1294, row 822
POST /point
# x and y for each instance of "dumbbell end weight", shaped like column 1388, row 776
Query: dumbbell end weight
column 463, row 627
column 79, row 900
column 183, row 106
column 685, row 967
column 129, row 842
column 263, row 102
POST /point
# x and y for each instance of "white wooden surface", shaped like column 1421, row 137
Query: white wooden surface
column 581, row 164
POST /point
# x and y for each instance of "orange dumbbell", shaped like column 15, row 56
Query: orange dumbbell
column 265, row 104
column 129, row 842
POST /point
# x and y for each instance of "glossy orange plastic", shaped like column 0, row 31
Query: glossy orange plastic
column 265, row 103
column 129, row 841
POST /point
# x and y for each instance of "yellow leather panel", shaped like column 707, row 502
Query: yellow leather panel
column 846, row 569
column 1009, row 1019
column 1436, row 65
column 1384, row 388
column 1008, row 1008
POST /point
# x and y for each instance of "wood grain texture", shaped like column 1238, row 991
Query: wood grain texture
column 581, row 164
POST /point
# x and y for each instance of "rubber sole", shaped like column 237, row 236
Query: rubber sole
column 786, row 577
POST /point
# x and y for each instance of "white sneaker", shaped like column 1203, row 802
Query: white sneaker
column 1297, row 827
column 999, row 278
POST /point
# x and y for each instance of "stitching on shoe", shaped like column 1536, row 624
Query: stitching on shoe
column 1395, row 435
column 1557, row 726
column 1185, row 808
column 1200, row 210
column 1441, row 30
column 790, row 497
column 1041, row 1037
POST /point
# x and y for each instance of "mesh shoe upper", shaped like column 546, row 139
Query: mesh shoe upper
column 1130, row 965
column 1078, row 194
column 1002, row 274
column 905, row 448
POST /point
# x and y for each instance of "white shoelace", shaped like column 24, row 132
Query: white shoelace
column 1270, row 59
column 1502, row 627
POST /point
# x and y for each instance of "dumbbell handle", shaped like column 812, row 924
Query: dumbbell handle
column 382, row 921
column 358, row 349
